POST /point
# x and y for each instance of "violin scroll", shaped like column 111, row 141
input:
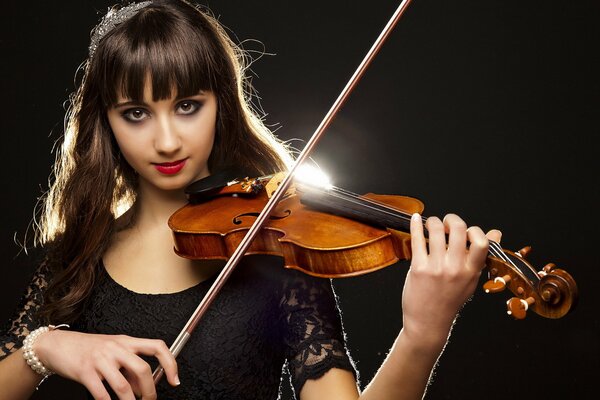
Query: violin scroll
column 550, row 293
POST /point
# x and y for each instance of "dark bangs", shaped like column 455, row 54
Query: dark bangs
column 167, row 47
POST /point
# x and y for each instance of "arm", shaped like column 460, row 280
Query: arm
column 89, row 359
column 86, row 358
column 17, row 379
column 314, row 339
column 403, row 375
column 443, row 275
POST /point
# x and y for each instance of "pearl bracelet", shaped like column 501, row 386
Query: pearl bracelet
column 29, row 354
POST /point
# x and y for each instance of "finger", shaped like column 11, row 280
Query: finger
column 437, row 237
column 158, row 349
column 457, row 237
column 478, row 250
column 115, row 379
column 494, row 235
column 140, row 375
column 418, row 243
column 96, row 388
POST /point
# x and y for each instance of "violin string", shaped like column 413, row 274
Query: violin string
column 497, row 251
column 533, row 275
column 368, row 203
column 500, row 253
column 494, row 248
column 371, row 204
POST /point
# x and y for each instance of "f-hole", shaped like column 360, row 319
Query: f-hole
column 237, row 220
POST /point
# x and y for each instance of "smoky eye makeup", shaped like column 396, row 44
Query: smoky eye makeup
column 134, row 114
column 189, row 106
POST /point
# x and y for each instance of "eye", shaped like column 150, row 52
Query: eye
column 188, row 107
column 135, row 114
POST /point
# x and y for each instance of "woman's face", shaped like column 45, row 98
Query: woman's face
column 167, row 142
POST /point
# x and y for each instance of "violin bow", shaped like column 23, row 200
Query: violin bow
column 239, row 252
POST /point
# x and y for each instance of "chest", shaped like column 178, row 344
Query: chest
column 145, row 262
column 238, row 341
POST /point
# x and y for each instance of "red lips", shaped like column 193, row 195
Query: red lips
column 170, row 168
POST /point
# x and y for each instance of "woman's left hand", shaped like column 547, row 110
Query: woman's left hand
column 443, row 274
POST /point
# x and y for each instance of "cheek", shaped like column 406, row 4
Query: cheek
column 203, row 138
column 131, row 150
column 129, row 157
column 209, row 142
column 121, row 139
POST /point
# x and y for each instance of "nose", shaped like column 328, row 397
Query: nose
column 167, row 140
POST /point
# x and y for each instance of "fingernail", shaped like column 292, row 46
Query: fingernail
column 177, row 381
column 416, row 217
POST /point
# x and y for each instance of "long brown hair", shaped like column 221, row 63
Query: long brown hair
column 183, row 50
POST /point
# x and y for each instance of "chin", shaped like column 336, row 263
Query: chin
column 170, row 183
column 176, row 182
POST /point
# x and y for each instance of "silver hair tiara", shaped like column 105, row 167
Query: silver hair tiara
column 113, row 18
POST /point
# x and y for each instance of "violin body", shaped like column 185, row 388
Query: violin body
column 334, row 233
column 316, row 243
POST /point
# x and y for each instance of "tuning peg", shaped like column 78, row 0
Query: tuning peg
column 524, row 251
column 547, row 269
column 518, row 307
column 496, row 285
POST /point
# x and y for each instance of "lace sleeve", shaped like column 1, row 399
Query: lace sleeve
column 24, row 320
column 313, row 333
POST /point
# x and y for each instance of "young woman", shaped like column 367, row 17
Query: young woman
column 162, row 103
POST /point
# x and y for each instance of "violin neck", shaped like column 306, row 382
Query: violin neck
column 347, row 204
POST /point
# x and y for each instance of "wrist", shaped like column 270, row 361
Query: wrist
column 424, row 341
column 430, row 331
column 43, row 345
column 30, row 354
column 35, row 348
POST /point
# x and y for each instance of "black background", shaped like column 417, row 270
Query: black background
column 488, row 109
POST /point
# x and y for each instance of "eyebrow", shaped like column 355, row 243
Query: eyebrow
column 142, row 103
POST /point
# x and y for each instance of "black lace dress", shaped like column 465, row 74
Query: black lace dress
column 264, row 316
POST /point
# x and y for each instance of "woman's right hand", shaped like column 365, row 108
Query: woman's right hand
column 91, row 359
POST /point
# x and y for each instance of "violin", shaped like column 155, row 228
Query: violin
column 333, row 233
column 338, row 233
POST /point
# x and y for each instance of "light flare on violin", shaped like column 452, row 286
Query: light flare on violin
column 312, row 176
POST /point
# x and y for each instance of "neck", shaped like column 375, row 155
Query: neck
column 155, row 206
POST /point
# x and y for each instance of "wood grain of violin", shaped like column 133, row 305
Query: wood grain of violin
column 334, row 233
